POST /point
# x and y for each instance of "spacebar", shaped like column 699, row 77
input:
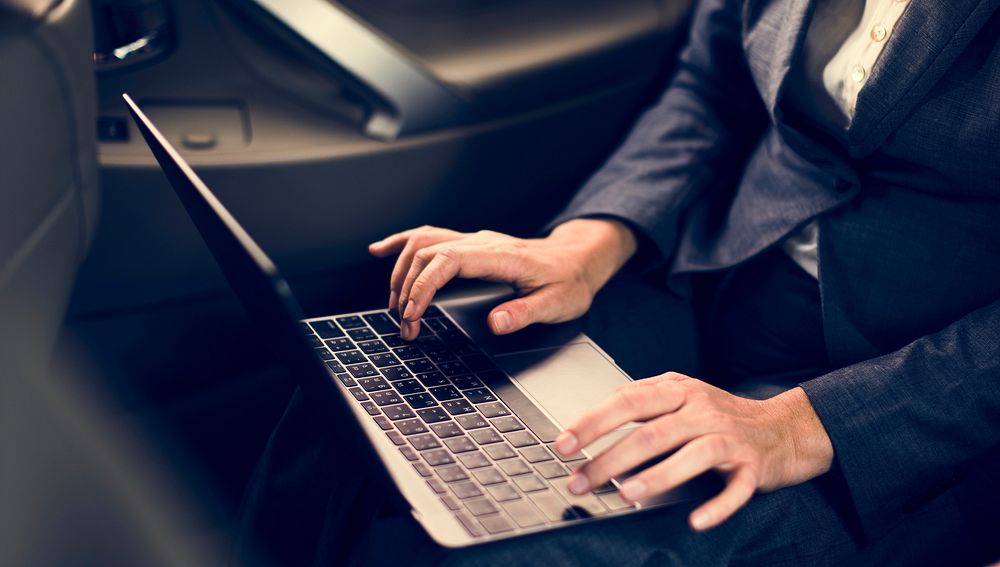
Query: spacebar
column 518, row 403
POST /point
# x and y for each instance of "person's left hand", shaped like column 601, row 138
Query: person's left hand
column 757, row 445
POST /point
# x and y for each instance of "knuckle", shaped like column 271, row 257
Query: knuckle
column 629, row 400
column 424, row 255
column 648, row 436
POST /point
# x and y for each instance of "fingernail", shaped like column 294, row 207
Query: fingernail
column 634, row 489
column 410, row 311
column 405, row 329
column 393, row 299
column 566, row 443
column 501, row 321
column 578, row 484
column 699, row 520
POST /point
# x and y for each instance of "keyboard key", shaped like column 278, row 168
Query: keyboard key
column 335, row 367
column 498, row 452
column 439, row 356
column 503, row 492
column 453, row 336
column 386, row 398
column 605, row 488
column 435, row 325
column 383, row 422
column 358, row 394
column 578, row 456
column 350, row 322
column 453, row 368
column 323, row 354
column 480, row 395
column 493, row 409
column 431, row 379
column 488, row 476
column 550, row 470
column 445, row 393
column 423, row 470
column 451, row 503
column 411, row 427
column 371, row 408
column 614, row 501
column 485, row 436
column 408, row 352
column 432, row 311
column 529, row 483
column 436, row 485
column 406, row 387
column 424, row 441
column 373, row 384
column 373, row 347
column 383, row 360
column 396, row 437
column 363, row 334
column 419, row 365
column 421, row 400
column 466, row 490
column 481, row 507
column 471, row 421
column 382, row 324
column 473, row 460
column 396, row 373
column 514, row 467
column 397, row 412
column 466, row 382
column 496, row 524
column 523, row 513
column 470, row 524
column 432, row 415
column 464, row 348
column 304, row 329
column 437, row 457
column 351, row 357
column 521, row 439
column 314, row 341
column 340, row 344
column 520, row 404
column 507, row 424
column 345, row 378
column 446, row 429
column 393, row 341
column 458, row 407
column 429, row 344
column 452, row 473
column 362, row 370
column 409, row 453
column 536, row 454
column 552, row 505
column 326, row 329
column 460, row 444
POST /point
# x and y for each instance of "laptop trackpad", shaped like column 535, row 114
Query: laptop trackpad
column 566, row 381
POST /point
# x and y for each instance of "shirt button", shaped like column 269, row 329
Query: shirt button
column 878, row 33
column 858, row 74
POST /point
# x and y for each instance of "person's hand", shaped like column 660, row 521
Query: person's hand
column 556, row 276
column 757, row 445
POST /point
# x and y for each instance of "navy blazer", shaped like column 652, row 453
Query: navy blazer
column 908, row 200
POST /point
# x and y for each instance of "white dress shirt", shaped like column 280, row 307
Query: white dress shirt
column 842, row 78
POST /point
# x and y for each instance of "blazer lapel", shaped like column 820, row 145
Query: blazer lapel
column 775, row 37
column 927, row 40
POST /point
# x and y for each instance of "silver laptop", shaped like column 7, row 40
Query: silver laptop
column 462, row 421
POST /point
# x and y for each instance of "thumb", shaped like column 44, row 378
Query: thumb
column 541, row 306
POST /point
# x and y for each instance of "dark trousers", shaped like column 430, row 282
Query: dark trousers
column 755, row 330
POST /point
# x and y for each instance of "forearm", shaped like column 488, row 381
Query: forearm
column 604, row 246
column 806, row 439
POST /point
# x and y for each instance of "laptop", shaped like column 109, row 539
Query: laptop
column 462, row 421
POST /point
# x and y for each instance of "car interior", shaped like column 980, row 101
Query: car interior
column 138, row 394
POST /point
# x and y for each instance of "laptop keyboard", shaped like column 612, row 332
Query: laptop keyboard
column 479, row 443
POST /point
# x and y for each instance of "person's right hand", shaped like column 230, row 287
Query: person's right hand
column 556, row 276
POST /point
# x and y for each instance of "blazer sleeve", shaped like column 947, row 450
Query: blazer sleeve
column 907, row 425
column 709, row 116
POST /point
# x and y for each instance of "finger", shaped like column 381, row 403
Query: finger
column 640, row 401
column 655, row 438
column 419, row 239
column 431, row 276
column 689, row 461
column 544, row 305
column 391, row 244
column 739, row 489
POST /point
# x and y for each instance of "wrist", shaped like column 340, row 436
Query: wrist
column 807, row 444
column 603, row 246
